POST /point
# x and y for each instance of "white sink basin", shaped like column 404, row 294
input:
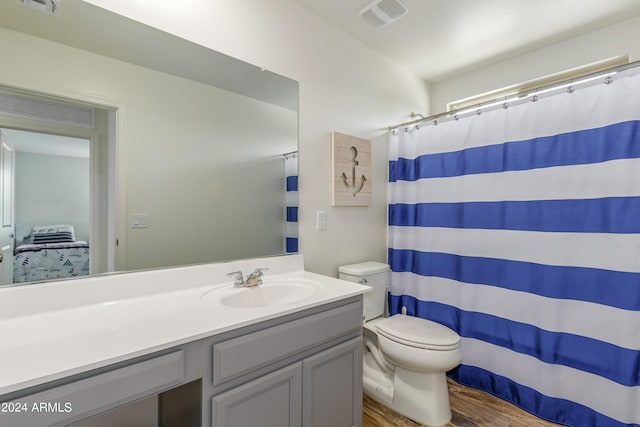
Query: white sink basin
column 269, row 294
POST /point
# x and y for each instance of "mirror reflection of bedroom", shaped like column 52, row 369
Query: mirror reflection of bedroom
column 51, row 206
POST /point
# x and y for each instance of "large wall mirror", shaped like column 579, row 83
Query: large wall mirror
column 187, row 155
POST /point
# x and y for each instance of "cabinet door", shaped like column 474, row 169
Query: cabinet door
column 332, row 394
column 270, row 401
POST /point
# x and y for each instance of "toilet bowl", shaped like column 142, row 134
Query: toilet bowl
column 405, row 358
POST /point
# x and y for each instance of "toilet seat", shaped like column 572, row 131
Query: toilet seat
column 418, row 332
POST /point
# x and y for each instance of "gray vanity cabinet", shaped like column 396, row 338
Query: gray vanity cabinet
column 270, row 401
column 303, row 370
column 332, row 390
column 322, row 390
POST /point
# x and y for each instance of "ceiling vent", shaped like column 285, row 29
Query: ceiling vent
column 51, row 7
column 381, row 13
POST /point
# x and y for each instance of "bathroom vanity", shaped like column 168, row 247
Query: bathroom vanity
column 286, row 353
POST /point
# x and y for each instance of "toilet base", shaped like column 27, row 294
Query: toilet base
column 423, row 397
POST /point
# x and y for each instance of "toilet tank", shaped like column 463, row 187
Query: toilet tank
column 375, row 275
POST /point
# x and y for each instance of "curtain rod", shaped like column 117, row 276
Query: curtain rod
column 514, row 97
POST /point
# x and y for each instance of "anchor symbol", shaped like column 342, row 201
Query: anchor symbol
column 352, row 187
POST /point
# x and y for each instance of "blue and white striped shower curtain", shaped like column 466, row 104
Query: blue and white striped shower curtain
column 291, row 202
column 519, row 228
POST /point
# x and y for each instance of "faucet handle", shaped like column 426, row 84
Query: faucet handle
column 255, row 278
column 239, row 279
column 259, row 271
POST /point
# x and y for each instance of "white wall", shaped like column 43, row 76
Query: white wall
column 615, row 40
column 52, row 190
column 344, row 86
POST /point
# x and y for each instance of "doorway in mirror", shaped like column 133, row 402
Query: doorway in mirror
column 55, row 177
column 51, row 202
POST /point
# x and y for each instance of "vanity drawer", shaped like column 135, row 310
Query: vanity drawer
column 71, row 402
column 235, row 357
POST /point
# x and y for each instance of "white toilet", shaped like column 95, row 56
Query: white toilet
column 405, row 357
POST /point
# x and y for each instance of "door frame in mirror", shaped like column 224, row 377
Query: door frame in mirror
column 105, row 225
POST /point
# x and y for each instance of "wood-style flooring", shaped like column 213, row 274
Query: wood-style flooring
column 470, row 408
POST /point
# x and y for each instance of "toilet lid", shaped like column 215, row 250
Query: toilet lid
column 418, row 332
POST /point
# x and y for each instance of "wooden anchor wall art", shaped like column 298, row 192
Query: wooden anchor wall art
column 351, row 168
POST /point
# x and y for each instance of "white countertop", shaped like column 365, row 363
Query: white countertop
column 50, row 331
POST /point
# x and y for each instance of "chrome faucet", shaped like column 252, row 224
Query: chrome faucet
column 253, row 279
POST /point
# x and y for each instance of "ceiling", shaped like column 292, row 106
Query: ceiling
column 441, row 38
